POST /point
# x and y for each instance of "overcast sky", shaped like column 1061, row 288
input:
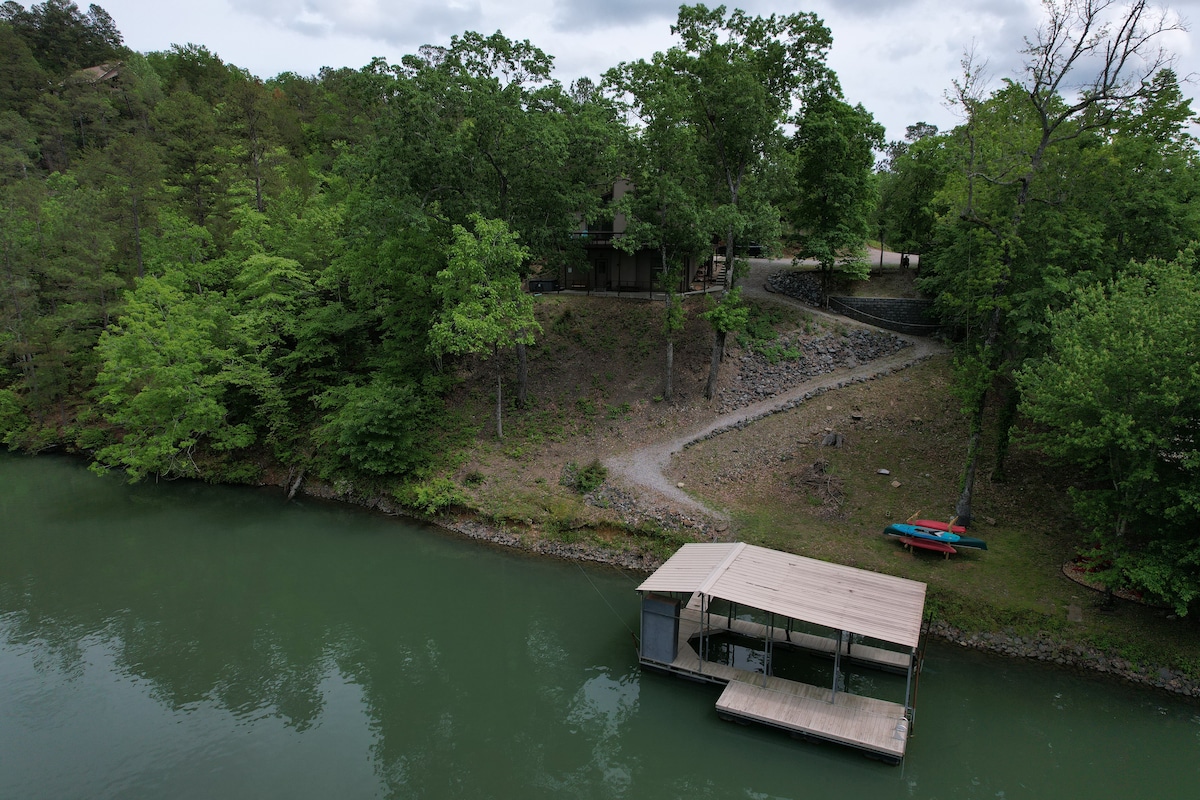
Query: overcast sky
column 896, row 57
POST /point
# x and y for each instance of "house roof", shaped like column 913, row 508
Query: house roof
column 100, row 72
column 843, row 598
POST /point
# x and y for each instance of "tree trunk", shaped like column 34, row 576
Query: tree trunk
column 668, row 392
column 715, row 365
column 729, row 259
column 522, row 375
column 669, row 307
column 296, row 485
column 137, row 237
column 258, row 190
column 499, row 410
column 1004, row 425
column 962, row 508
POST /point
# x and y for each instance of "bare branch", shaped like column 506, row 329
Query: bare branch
column 1076, row 35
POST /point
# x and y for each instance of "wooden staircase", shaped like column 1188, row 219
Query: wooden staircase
column 701, row 281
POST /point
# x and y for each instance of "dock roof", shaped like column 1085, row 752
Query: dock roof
column 839, row 597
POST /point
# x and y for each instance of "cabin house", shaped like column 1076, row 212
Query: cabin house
column 608, row 268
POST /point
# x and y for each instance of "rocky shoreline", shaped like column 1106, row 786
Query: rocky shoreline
column 1042, row 647
column 758, row 378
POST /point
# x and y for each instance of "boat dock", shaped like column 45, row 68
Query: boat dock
column 789, row 588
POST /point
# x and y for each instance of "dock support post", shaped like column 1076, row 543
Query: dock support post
column 837, row 663
column 641, row 628
column 770, row 634
column 912, row 660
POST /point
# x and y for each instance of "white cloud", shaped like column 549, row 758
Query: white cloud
column 897, row 58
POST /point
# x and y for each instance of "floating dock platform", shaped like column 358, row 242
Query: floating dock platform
column 788, row 589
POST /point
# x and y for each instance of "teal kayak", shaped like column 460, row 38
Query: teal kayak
column 946, row 537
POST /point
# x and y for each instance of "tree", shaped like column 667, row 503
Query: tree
column 483, row 306
column 834, row 150
column 79, row 285
column 383, row 426
column 913, row 174
column 726, row 316
column 20, row 204
column 168, row 364
column 1118, row 397
column 186, row 128
column 733, row 80
column 741, row 76
column 666, row 210
column 1151, row 175
column 1089, row 63
column 23, row 79
column 481, row 128
column 62, row 37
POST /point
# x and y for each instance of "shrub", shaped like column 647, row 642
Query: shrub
column 432, row 496
column 13, row 422
column 584, row 480
column 618, row 411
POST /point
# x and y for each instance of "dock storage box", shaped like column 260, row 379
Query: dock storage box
column 660, row 628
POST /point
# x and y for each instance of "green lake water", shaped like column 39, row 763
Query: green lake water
column 188, row 641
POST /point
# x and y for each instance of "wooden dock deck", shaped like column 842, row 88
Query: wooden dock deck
column 866, row 723
column 876, row 726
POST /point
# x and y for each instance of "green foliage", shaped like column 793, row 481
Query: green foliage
column 584, row 479
column 1027, row 213
column 62, row 37
column 760, row 325
column 617, row 411
column 907, row 209
column 833, row 195
column 729, row 314
column 433, row 496
column 774, row 353
column 713, row 110
column 483, row 306
column 169, row 366
column 13, row 421
column 1118, row 397
column 382, row 427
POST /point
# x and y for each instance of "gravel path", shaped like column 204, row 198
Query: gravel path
column 641, row 471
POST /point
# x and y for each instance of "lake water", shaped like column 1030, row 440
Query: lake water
column 180, row 640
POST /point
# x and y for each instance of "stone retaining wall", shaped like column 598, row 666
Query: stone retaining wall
column 910, row 316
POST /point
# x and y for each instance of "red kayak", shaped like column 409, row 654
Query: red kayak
column 938, row 526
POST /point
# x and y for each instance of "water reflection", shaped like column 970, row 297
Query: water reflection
column 193, row 641
column 600, row 710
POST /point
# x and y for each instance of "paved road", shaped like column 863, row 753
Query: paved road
column 890, row 259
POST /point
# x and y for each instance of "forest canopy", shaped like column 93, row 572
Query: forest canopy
column 206, row 273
